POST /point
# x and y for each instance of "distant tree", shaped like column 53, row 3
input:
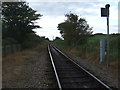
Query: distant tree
column 57, row 38
column 74, row 30
column 47, row 39
column 13, row 0
column 98, row 34
column 18, row 20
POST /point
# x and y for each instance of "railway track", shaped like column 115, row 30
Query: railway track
column 70, row 75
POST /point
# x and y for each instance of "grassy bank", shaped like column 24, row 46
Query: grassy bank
column 91, row 49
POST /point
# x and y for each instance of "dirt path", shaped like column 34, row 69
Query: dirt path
column 28, row 69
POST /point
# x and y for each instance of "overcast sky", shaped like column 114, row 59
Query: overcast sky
column 54, row 11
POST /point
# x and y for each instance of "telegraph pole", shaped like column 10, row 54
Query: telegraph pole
column 1, row 45
column 105, row 13
column 108, row 40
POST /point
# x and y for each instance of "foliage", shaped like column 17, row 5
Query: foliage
column 18, row 20
column 34, row 40
column 91, row 49
column 74, row 30
column 57, row 39
column 9, row 41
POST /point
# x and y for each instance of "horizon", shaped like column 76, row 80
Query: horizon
column 54, row 13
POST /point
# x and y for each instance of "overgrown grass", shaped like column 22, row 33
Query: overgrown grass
column 33, row 40
column 61, row 44
column 91, row 49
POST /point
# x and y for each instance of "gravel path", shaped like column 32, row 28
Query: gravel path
column 34, row 71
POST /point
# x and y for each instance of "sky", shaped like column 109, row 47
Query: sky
column 54, row 11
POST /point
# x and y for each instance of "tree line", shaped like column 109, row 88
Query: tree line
column 18, row 22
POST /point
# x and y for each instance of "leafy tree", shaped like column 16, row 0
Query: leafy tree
column 18, row 20
column 57, row 38
column 74, row 30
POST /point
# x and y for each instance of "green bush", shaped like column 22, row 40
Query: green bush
column 33, row 40
column 92, row 46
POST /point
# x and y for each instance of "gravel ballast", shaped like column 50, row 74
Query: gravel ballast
column 33, row 70
column 106, row 74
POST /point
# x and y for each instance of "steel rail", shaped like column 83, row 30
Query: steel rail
column 84, row 69
column 58, row 81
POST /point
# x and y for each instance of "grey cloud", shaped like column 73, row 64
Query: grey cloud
column 55, row 9
column 61, row 8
